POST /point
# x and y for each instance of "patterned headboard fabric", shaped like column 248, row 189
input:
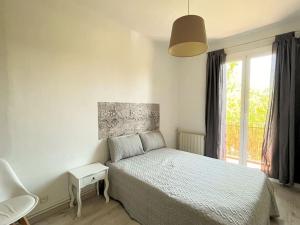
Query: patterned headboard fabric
column 115, row 118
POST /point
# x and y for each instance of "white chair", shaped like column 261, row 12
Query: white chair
column 15, row 200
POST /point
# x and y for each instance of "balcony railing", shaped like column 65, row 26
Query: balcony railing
column 255, row 141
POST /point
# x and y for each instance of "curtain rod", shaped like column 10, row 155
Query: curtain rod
column 258, row 40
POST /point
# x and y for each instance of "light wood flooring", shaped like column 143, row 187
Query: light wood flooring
column 96, row 212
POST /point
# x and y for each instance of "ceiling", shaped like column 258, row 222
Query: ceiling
column 223, row 18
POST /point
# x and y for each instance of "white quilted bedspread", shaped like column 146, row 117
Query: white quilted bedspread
column 170, row 187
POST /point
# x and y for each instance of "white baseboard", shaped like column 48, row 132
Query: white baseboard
column 295, row 185
column 59, row 206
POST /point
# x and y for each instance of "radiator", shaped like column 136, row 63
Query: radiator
column 191, row 142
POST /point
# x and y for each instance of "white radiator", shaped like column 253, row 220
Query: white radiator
column 191, row 142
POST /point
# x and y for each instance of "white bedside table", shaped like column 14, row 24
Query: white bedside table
column 86, row 175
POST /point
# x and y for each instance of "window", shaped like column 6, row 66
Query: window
column 248, row 79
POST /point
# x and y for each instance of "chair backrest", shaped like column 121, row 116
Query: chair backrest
column 10, row 185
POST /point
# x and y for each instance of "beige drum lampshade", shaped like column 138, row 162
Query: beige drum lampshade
column 188, row 37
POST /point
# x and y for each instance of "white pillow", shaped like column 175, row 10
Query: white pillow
column 124, row 147
column 152, row 140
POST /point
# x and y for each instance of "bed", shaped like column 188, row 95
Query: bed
column 172, row 187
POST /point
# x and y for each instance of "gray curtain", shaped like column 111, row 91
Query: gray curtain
column 214, row 117
column 296, row 58
column 278, row 153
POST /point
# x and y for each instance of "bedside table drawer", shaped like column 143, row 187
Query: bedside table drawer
column 93, row 178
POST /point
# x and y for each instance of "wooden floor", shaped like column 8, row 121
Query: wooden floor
column 96, row 212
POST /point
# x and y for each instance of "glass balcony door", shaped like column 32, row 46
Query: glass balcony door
column 247, row 102
column 234, row 74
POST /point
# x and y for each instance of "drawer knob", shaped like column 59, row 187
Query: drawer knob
column 93, row 178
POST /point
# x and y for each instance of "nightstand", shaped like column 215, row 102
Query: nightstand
column 86, row 175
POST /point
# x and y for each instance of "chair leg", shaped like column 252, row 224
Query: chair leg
column 24, row 221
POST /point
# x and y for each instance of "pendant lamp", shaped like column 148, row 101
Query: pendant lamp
column 188, row 37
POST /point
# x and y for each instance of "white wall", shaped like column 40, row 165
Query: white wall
column 257, row 37
column 61, row 60
column 192, row 92
column 4, row 137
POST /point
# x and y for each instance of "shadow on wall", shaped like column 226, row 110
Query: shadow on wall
column 164, row 90
column 48, row 187
column 46, row 190
column 4, row 133
column 101, row 153
column 58, row 77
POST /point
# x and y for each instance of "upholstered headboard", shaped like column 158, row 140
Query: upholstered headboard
column 115, row 118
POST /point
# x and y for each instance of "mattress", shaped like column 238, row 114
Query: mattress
column 171, row 187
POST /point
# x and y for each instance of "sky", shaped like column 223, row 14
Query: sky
column 260, row 72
